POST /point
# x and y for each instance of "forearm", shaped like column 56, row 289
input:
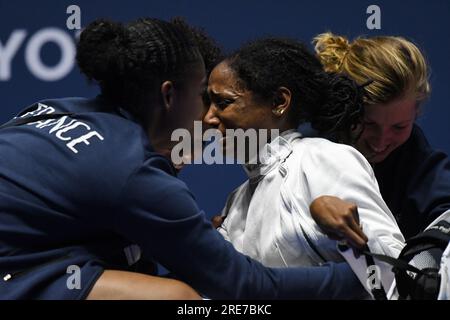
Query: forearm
column 213, row 267
column 334, row 281
column 122, row 285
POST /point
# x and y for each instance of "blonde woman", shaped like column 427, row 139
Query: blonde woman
column 414, row 179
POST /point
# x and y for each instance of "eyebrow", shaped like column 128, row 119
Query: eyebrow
column 403, row 122
column 212, row 92
column 214, row 95
column 223, row 94
column 393, row 124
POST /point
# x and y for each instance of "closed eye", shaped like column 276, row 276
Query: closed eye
column 223, row 103
column 219, row 100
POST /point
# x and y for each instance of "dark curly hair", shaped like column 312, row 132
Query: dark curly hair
column 209, row 49
column 129, row 61
column 331, row 103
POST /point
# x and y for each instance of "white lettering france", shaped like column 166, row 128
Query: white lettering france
column 61, row 127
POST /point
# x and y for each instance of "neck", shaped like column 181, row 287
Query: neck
column 287, row 127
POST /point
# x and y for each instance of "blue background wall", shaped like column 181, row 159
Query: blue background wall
column 231, row 23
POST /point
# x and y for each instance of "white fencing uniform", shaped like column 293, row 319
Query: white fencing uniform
column 444, row 292
column 444, row 271
column 268, row 216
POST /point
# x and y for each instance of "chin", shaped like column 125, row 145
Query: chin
column 376, row 160
column 379, row 158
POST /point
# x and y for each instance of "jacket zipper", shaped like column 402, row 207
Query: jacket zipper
column 23, row 272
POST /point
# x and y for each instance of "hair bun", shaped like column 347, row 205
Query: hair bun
column 331, row 50
column 101, row 48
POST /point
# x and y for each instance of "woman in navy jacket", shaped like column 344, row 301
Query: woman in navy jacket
column 89, row 200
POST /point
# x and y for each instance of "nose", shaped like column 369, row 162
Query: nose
column 211, row 117
column 381, row 138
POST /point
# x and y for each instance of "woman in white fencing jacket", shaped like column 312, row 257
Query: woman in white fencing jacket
column 277, row 84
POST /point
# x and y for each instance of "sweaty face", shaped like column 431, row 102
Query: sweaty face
column 232, row 106
column 386, row 127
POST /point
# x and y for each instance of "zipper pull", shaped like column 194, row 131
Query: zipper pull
column 7, row 277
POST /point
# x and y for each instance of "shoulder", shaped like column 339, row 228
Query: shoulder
column 99, row 144
column 322, row 152
column 317, row 145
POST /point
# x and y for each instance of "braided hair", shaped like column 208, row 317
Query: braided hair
column 332, row 103
column 130, row 61
column 209, row 49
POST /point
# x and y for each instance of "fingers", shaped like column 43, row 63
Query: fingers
column 338, row 219
column 353, row 238
column 217, row 221
column 334, row 236
column 353, row 223
column 348, row 230
column 354, row 211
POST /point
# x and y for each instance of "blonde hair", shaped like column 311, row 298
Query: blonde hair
column 396, row 65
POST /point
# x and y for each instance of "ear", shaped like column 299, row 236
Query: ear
column 167, row 94
column 281, row 101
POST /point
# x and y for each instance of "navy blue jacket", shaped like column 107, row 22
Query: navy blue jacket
column 414, row 181
column 77, row 191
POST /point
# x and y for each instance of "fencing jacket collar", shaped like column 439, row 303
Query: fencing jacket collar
column 278, row 150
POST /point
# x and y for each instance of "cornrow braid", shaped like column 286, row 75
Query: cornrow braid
column 209, row 49
column 128, row 61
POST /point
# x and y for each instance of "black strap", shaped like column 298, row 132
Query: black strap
column 431, row 238
column 397, row 263
column 439, row 234
column 404, row 282
column 378, row 293
column 20, row 121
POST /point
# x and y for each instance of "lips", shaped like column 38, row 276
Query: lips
column 378, row 150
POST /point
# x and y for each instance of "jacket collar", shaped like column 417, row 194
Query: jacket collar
column 272, row 154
